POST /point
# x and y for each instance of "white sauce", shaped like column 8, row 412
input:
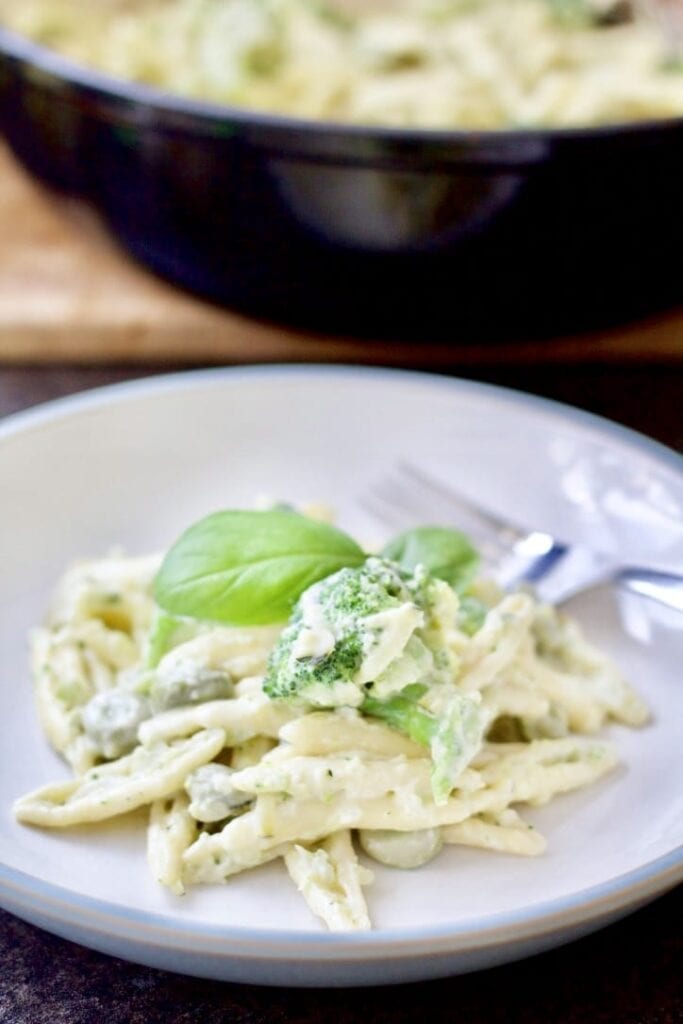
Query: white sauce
column 316, row 638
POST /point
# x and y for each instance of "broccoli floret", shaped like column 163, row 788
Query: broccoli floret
column 289, row 676
column 351, row 594
column 376, row 638
column 333, row 645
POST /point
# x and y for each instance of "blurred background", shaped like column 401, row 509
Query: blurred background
column 490, row 189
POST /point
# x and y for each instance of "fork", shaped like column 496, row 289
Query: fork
column 514, row 555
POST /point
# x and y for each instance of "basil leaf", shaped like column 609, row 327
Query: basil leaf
column 160, row 637
column 249, row 568
column 446, row 554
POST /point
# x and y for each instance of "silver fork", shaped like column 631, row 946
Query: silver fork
column 513, row 555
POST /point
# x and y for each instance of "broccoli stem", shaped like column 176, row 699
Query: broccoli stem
column 452, row 737
column 403, row 714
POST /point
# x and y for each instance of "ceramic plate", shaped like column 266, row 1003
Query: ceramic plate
column 132, row 465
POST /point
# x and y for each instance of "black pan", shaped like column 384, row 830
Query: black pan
column 391, row 232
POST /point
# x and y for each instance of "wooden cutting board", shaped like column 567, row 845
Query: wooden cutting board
column 68, row 293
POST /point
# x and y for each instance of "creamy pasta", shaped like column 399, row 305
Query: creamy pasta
column 395, row 712
column 424, row 63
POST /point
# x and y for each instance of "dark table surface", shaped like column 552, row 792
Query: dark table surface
column 630, row 973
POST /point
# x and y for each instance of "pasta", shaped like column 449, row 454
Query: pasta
column 247, row 747
column 330, row 879
column 424, row 63
column 146, row 775
column 171, row 830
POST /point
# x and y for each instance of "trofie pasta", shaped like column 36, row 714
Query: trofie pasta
column 405, row 705
column 414, row 63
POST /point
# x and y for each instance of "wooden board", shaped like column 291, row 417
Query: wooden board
column 68, row 293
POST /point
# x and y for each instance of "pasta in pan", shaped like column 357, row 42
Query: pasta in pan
column 414, row 63
column 401, row 708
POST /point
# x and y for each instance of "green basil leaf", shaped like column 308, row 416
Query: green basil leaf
column 446, row 554
column 160, row 637
column 249, row 568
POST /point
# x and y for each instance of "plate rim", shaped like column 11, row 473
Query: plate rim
column 584, row 906
column 112, row 394
column 534, row 921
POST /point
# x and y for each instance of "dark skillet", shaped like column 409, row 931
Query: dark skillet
column 393, row 232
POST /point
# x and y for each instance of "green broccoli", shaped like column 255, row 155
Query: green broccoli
column 344, row 633
column 375, row 638
column 453, row 735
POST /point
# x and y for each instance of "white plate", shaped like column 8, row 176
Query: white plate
column 132, row 465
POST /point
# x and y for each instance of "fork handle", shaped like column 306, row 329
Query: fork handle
column 664, row 587
column 582, row 570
